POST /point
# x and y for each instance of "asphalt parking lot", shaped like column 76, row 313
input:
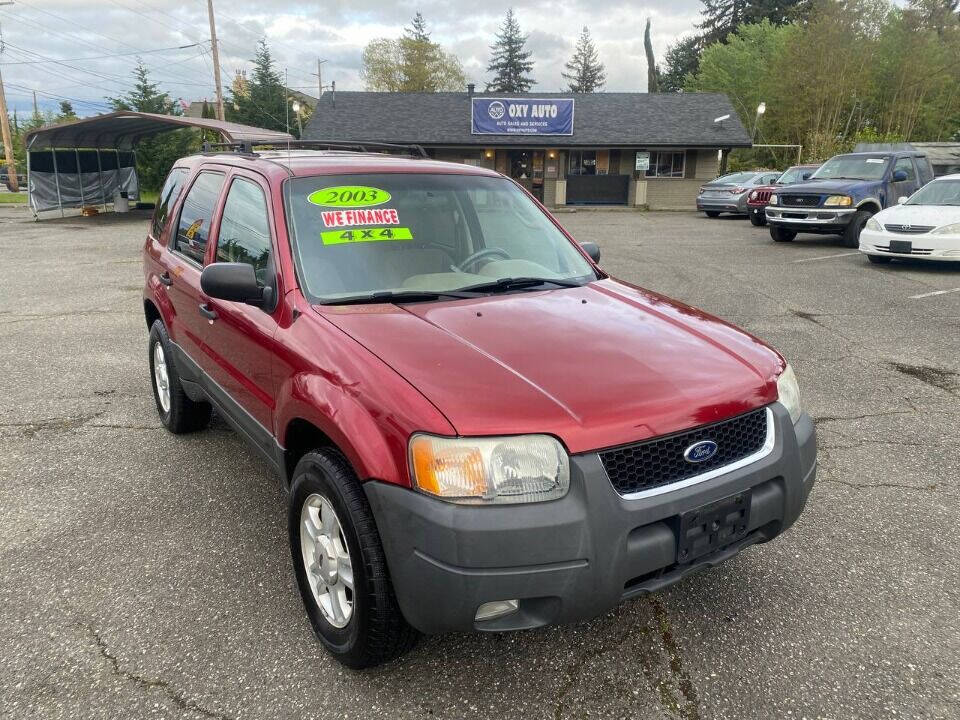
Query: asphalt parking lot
column 146, row 575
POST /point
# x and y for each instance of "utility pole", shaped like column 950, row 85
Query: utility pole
column 216, row 61
column 319, row 74
column 5, row 127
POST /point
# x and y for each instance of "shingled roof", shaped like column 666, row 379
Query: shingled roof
column 601, row 119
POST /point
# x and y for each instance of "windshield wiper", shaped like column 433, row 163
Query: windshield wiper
column 390, row 296
column 518, row 283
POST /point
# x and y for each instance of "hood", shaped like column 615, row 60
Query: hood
column 596, row 366
column 929, row 215
column 825, row 187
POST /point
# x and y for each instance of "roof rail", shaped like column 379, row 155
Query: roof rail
column 246, row 147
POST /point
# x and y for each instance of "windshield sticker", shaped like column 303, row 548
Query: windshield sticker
column 349, row 196
column 341, row 218
column 343, row 237
column 876, row 160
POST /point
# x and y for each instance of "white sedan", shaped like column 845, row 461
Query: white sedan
column 924, row 226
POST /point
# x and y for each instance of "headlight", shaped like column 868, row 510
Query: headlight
column 843, row 200
column 774, row 200
column 516, row 469
column 947, row 230
column 872, row 224
column 789, row 393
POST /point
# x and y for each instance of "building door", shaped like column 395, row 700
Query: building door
column 526, row 167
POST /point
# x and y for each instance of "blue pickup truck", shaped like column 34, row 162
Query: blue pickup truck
column 844, row 192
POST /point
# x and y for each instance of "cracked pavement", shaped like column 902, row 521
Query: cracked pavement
column 143, row 575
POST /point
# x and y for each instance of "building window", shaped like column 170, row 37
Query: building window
column 583, row 162
column 667, row 164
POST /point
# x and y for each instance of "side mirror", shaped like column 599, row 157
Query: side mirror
column 805, row 176
column 901, row 200
column 592, row 249
column 899, row 175
column 236, row 282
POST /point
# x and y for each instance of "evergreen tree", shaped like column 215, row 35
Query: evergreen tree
column 510, row 62
column 681, row 61
column 653, row 81
column 264, row 102
column 586, row 72
column 156, row 154
column 66, row 112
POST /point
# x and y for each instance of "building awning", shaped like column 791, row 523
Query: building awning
column 123, row 129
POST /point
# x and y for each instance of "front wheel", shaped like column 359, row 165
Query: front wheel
column 851, row 233
column 178, row 413
column 757, row 220
column 780, row 234
column 340, row 565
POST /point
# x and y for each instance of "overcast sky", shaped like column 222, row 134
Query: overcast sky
column 74, row 30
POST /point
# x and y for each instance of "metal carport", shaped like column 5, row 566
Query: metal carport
column 88, row 161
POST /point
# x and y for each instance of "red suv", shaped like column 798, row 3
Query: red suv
column 479, row 429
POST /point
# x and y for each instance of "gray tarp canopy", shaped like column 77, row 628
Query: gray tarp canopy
column 92, row 160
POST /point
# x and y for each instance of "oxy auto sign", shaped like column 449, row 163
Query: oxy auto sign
column 527, row 116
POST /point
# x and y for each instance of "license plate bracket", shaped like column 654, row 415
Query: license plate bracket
column 901, row 246
column 712, row 527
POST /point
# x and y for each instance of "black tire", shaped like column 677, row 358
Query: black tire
column 712, row 213
column 757, row 220
column 184, row 415
column 851, row 233
column 879, row 259
column 376, row 631
column 780, row 234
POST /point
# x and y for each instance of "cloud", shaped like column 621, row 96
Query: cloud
column 298, row 34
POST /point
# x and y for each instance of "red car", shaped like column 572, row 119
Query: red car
column 478, row 428
column 758, row 199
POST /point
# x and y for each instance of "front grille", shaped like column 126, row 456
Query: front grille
column 909, row 229
column 800, row 200
column 655, row 463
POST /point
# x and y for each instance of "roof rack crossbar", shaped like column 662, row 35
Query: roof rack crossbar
column 246, row 146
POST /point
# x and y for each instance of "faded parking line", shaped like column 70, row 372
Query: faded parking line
column 826, row 257
column 935, row 292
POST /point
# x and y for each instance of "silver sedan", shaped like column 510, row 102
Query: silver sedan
column 728, row 193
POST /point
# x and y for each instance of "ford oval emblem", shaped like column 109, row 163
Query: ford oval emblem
column 700, row 452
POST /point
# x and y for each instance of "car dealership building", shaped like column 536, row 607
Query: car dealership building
column 568, row 149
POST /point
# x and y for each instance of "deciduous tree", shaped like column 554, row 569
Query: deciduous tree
column 411, row 63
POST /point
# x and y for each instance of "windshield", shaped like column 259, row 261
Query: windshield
column 852, row 167
column 737, row 177
column 939, row 192
column 355, row 236
column 792, row 175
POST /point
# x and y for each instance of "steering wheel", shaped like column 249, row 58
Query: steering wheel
column 479, row 255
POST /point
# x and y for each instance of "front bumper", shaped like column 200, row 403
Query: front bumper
column 577, row 557
column 812, row 220
column 923, row 246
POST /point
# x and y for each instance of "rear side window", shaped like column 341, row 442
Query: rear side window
column 244, row 228
column 168, row 196
column 926, row 172
column 906, row 164
column 194, row 227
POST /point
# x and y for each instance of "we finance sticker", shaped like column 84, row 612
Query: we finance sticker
column 349, row 196
column 351, row 218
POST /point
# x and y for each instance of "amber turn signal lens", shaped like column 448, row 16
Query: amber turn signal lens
column 448, row 471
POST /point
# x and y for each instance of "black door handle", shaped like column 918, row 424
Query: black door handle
column 166, row 279
column 208, row 312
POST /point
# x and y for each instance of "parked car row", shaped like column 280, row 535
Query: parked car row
column 887, row 204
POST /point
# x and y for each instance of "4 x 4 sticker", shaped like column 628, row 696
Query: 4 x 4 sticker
column 349, row 196
column 343, row 218
column 342, row 237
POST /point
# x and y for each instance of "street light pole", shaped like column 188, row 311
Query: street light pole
column 7, row 136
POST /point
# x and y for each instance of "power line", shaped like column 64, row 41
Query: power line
column 101, row 57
